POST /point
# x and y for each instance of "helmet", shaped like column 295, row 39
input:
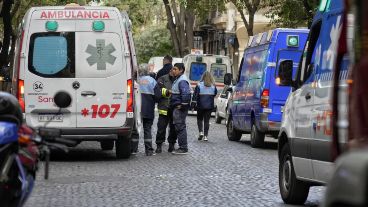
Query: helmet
column 10, row 109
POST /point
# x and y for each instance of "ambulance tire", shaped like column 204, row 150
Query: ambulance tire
column 232, row 133
column 123, row 147
column 256, row 137
column 217, row 117
column 292, row 190
column 107, row 144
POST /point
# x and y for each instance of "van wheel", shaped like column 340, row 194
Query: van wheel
column 256, row 137
column 293, row 191
column 217, row 118
column 232, row 133
column 107, row 144
column 122, row 147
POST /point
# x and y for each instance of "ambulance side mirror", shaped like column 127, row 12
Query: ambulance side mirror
column 62, row 99
column 227, row 79
column 285, row 73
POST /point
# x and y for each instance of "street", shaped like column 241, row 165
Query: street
column 214, row 173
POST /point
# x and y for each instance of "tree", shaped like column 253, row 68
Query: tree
column 251, row 7
column 154, row 41
column 181, row 25
column 286, row 13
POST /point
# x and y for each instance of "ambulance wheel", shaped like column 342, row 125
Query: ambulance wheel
column 107, row 144
column 292, row 190
column 232, row 133
column 217, row 118
column 256, row 137
column 122, row 147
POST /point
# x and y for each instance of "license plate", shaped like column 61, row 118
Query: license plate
column 50, row 117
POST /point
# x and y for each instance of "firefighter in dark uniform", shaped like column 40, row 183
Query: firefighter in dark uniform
column 146, row 87
column 164, row 84
column 179, row 103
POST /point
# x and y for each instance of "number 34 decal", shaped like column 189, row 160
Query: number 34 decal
column 102, row 111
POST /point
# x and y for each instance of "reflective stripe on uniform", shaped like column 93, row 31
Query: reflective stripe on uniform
column 163, row 112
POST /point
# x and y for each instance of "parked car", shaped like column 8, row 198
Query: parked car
column 222, row 104
column 87, row 52
column 305, row 139
column 257, row 101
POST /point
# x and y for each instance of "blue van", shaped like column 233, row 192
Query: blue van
column 257, row 101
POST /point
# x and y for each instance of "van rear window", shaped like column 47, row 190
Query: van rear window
column 218, row 72
column 52, row 55
column 196, row 71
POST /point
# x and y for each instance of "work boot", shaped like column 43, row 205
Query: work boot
column 159, row 148
column 180, row 151
column 171, row 147
column 150, row 153
column 200, row 137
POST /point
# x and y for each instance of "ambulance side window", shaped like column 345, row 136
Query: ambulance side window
column 52, row 55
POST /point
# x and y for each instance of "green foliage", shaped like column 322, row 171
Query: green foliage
column 141, row 12
column 291, row 13
column 154, row 41
column 202, row 8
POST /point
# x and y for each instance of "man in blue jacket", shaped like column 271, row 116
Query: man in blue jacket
column 179, row 103
column 146, row 87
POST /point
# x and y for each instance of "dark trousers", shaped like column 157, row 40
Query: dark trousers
column 203, row 118
column 135, row 139
column 179, row 121
column 147, row 127
column 162, row 123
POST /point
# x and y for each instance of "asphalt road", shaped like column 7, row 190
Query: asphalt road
column 214, row 173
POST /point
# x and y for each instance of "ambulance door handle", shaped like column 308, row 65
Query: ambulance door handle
column 88, row 93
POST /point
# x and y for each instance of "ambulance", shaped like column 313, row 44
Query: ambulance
column 87, row 52
column 197, row 63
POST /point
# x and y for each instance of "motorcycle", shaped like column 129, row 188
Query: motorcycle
column 21, row 149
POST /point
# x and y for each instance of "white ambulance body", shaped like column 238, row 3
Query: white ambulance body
column 87, row 52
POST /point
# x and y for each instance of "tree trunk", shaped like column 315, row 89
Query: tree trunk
column 189, row 24
column 246, row 24
column 5, row 13
column 171, row 26
column 182, row 36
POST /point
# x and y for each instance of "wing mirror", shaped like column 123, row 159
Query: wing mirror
column 227, row 78
column 285, row 73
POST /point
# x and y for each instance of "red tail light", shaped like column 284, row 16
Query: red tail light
column 20, row 94
column 129, row 107
column 265, row 98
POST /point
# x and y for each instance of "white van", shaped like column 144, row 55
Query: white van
column 87, row 52
column 156, row 63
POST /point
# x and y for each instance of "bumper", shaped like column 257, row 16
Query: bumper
column 96, row 134
column 268, row 126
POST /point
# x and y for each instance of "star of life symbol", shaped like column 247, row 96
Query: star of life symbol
column 101, row 54
column 218, row 73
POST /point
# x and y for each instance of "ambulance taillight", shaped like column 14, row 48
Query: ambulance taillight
column 129, row 107
column 20, row 94
column 20, row 91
